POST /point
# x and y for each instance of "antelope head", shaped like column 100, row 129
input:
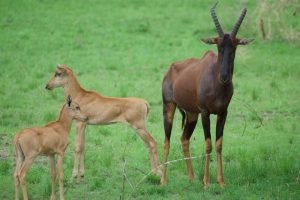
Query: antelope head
column 227, row 44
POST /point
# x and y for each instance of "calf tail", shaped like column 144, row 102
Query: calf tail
column 147, row 107
column 21, row 152
column 20, row 157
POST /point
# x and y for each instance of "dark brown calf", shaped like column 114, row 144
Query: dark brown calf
column 203, row 86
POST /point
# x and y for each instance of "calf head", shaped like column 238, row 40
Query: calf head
column 74, row 110
column 60, row 77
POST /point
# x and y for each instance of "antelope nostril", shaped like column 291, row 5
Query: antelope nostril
column 224, row 78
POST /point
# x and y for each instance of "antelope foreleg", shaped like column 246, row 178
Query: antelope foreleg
column 219, row 141
column 208, row 146
column 220, row 178
column 208, row 150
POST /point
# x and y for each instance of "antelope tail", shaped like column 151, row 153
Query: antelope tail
column 183, row 118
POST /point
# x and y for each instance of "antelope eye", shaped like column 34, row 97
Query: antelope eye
column 77, row 108
column 57, row 74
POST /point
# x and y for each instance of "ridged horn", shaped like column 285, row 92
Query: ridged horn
column 216, row 21
column 238, row 23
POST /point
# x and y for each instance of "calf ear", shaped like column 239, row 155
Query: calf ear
column 69, row 100
column 62, row 68
column 245, row 41
column 209, row 40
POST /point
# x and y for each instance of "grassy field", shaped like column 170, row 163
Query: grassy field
column 123, row 48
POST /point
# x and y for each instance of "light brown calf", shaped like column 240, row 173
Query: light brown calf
column 47, row 140
column 102, row 110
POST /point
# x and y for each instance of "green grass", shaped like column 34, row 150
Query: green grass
column 123, row 48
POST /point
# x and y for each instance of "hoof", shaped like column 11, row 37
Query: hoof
column 222, row 185
column 153, row 178
column 221, row 182
column 205, row 184
column 191, row 178
column 79, row 178
column 72, row 179
column 163, row 182
column 157, row 173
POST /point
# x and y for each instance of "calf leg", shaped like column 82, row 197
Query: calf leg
column 19, row 162
column 53, row 176
column 17, row 183
column 208, row 146
column 219, row 140
column 189, row 127
column 81, row 160
column 61, row 176
column 152, row 146
column 79, row 151
column 23, row 171
column 168, row 112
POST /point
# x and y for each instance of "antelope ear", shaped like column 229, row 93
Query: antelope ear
column 69, row 101
column 245, row 41
column 209, row 40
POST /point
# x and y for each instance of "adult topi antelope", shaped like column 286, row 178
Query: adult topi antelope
column 47, row 140
column 102, row 110
column 201, row 86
